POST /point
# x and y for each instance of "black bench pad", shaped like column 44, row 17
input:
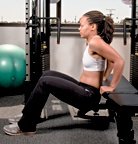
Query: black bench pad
column 130, row 100
column 123, row 87
column 125, row 94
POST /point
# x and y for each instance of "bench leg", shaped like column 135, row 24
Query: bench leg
column 125, row 127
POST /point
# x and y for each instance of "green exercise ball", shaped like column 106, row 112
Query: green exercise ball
column 12, row 66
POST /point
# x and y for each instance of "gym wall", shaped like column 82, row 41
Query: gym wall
column 66, row 56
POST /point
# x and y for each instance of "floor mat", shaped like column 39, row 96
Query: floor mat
column 59, row 128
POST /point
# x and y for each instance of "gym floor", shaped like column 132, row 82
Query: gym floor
column 60, row 127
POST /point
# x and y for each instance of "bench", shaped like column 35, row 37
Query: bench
column 122, row 104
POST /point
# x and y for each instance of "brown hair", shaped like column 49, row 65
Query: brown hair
column 105, row 24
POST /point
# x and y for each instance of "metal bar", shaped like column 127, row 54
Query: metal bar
column 133, row 30
column 58, row 9
column 125, row 31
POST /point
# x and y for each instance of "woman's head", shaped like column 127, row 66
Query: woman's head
column 105, row 24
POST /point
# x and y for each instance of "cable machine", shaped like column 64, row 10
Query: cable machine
column 134, row 43
column 38, row 31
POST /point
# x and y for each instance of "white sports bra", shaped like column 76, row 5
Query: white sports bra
column 92, row 64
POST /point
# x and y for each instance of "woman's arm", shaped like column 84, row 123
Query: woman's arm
column 108, row 70
column 107, row 52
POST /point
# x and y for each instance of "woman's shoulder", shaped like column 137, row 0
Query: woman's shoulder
column 95, row 41
column 97, row 44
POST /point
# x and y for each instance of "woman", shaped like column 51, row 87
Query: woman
column 85, row 94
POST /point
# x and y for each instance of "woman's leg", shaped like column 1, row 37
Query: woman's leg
column 65, row 90
column 30, row 86
column 59, row 74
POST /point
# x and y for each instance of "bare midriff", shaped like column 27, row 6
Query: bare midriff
column 92, row 78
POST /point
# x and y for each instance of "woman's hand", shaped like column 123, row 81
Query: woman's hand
column 107, row 89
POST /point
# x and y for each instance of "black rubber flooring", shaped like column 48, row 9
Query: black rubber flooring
column 60, row 128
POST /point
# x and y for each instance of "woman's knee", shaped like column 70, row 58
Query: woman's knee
column 45, row 81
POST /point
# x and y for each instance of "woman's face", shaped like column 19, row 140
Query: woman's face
column 85, row 28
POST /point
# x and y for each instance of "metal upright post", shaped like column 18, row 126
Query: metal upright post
column 59, row 9
column 27, row 40
column 134, row 48
column 133, row 29
column 47, row 32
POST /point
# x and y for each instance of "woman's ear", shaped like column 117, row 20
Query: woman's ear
column 93, row 26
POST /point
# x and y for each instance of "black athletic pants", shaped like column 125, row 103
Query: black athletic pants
column 63, row 87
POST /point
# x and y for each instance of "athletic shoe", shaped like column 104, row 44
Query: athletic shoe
column 13, row 130
column 15, row 119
